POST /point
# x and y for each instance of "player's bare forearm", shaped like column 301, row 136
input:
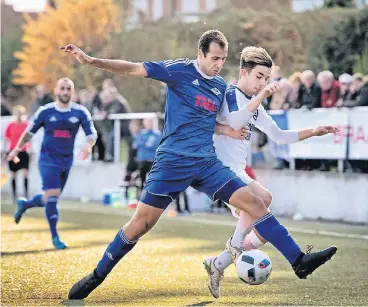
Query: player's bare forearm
column 120, row 67
column 24, row 139
column 305, row 134
column 91, row 141
column 222, row 129
column 239, row 134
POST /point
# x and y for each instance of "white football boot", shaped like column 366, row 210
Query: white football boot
column 233, row 250
column 214, row 276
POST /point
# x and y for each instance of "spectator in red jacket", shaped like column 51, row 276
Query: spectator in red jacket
column 330, row 89
column 13, row 132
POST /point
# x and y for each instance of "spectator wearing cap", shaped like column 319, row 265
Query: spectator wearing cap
column 330, row 89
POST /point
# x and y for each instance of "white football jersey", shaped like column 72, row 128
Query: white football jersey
column 232, row 152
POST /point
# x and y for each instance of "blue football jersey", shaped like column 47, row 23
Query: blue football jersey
column 60, row 129
column 192, row 102
column 146, row 143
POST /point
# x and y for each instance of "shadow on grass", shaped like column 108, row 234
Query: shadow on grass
column 38, row 251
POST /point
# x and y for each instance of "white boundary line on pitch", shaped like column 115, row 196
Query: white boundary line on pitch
column 217, row 222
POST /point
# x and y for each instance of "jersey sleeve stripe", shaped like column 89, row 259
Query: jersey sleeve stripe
column 231, row 100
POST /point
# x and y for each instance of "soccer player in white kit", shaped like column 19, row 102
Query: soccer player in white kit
column 242, row 106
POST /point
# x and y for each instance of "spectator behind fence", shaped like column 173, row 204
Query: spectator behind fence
column 295, row 84
column 13, row 132
column 109, row 105
column 358, row 96
column 309, row 95
column 132, row 165
column 43, row 97
column 280, row 98
column 146, row 143
column 330, row 89
column 345, row 83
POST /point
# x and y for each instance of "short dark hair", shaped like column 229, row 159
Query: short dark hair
column 212, row 36
column 252, row 56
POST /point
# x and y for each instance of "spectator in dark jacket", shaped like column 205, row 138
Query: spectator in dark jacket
column 309, row 93
column 345, row 83
column 358, row 96
column 330, row 89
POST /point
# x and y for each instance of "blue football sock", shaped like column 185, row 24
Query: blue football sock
column 116, row 250
column 275, row 233
column 52, row 214
column 36, row 201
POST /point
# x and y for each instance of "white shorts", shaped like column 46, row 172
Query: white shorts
column 247, row 180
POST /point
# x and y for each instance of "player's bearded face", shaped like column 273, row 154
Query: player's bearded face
column 64, row 92
column 214, row 61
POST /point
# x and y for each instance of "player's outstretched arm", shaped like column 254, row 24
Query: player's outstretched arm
column 24, row 139
column 239, row 134
column 120, row 67
column 319, row 131
column 269, row 126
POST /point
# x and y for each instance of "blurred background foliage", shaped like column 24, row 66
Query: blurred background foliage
column 334, row 37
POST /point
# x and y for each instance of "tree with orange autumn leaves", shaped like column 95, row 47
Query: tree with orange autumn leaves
column 86, row 23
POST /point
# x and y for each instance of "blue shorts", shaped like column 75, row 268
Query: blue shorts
column 53, row 176
column 171, row 174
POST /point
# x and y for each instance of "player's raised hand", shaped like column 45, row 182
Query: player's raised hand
column 269, row 89
column 323, row 130
column 78, row 53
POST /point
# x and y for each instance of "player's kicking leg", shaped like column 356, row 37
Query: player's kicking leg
column 247, row 238
column 127, row 237
column 270, row 229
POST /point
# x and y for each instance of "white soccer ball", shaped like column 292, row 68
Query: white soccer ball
column 253, row 267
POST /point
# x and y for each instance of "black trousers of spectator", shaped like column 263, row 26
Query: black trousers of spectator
column 144, row 168
column 186, row 203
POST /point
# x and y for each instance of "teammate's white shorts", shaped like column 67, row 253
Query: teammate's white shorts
column 247, row 180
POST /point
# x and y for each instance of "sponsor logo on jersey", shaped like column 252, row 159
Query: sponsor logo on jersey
column 205, row 103
column 63, row 134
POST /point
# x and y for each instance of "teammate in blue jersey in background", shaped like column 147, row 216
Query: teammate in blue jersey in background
column 60, row 120
column 146, row 143
column 186, row 157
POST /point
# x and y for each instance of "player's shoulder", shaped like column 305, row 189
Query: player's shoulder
column 178, row 64
column 221, row 81
column 49, row 107
column 76, row 107
column 156, row 131
column 233, row 92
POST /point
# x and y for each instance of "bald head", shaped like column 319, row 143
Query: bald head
column 308, row 78
column 64, row 89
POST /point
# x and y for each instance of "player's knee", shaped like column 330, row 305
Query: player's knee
column 257, row 207
column 51, row 193
column 267, row 199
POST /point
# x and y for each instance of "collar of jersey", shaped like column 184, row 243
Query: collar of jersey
column 69, row 108
column 201, row 72
column 249, row 97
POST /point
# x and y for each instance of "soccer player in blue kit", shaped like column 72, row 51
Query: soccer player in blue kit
column 186, row 157
column 61, row 120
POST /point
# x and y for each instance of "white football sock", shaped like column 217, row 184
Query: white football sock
column 239, row 234
column 252, row 241
column 223, row 260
